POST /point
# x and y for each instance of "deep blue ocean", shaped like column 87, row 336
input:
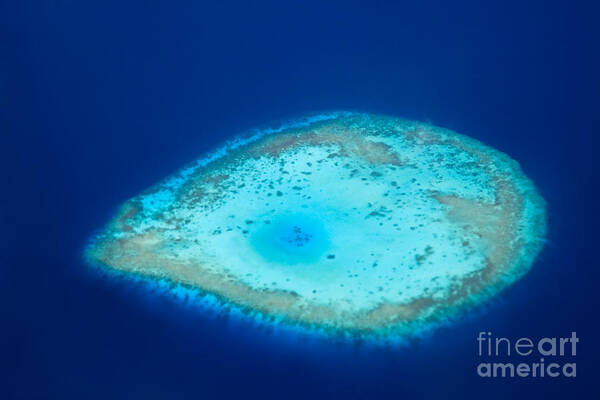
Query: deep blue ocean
column 101, row 99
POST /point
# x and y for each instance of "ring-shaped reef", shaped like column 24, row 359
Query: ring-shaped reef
column 341, row 222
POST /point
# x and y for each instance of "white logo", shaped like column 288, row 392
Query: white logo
column 556, row 356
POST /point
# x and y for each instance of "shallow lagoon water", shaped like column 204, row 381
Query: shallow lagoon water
column 349, row 222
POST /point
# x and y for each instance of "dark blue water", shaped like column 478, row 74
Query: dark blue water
column 99, row 100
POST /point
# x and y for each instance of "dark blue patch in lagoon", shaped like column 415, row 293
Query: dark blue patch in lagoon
column 292, row 239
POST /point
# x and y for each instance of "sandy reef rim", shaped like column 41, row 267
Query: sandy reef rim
column 483, row 224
